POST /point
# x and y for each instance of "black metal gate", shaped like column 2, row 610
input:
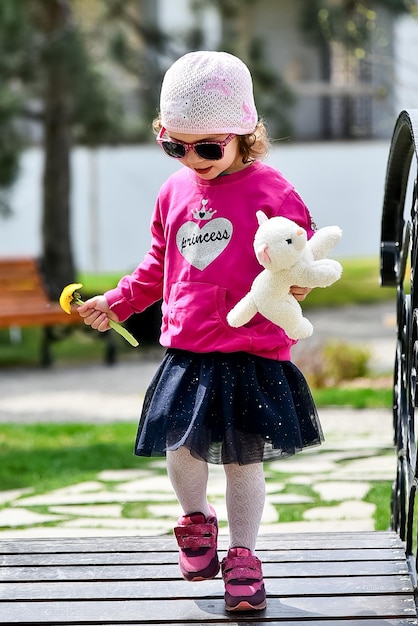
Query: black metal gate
column 398, row 268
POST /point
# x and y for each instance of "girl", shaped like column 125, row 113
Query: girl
column 221, row 395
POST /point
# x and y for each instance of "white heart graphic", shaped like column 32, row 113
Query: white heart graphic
column 201, row 246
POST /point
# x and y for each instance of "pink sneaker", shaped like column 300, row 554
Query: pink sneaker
column 197, row 539
column 243, row 578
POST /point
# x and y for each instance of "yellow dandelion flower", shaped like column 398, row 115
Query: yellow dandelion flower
column 69, row 296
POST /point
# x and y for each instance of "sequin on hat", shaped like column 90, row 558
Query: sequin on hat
column 208, row 92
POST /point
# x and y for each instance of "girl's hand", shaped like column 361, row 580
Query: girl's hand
column 96, row 313
column 300, row 293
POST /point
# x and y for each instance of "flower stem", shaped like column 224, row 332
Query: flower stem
column 124, row 333
column 115, row 325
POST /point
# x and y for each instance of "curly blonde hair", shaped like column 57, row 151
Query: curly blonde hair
column 251, row 147
column 256, row 145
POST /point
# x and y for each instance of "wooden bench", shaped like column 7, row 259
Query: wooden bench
column 321, row 579
column 24, row 302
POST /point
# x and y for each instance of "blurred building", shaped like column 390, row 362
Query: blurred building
column 339, row 93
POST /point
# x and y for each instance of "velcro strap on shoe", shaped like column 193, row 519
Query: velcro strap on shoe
column 240, row 568
column 195, row 536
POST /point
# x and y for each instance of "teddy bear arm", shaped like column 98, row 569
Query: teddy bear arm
column 324, row 240
column 242, row 312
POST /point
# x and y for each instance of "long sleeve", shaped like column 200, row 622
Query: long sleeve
column 137, row 291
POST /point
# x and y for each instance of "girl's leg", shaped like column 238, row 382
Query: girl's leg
column 245, row 497
column 189, row 478
column 241, row 568
column 197, row 529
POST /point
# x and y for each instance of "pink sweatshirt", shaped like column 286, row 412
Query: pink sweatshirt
column 202, row 261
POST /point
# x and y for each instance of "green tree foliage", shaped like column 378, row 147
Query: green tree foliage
column 136, row 44
column 12, row 35
column 350, row 22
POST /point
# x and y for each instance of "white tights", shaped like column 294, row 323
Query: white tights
column 245, row 493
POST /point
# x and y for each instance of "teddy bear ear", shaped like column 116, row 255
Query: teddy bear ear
column 261, row 217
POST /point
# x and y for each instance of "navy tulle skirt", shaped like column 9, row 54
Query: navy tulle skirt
column 227, row 408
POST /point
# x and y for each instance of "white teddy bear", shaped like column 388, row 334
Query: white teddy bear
column 289, row 258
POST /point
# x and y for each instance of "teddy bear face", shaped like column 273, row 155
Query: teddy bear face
column 279, row 243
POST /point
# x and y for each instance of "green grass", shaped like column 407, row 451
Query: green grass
column 380, row 495
column 98, row 283
column 366, row 398
column 48, row 456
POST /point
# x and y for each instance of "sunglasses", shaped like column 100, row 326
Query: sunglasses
column 209, row 150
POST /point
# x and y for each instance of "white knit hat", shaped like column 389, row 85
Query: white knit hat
column 208, row 92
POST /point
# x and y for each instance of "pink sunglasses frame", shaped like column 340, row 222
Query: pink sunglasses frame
column 192, row 146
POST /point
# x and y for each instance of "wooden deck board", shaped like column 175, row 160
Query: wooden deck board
column 132, row 589
column 151, row 572
column 285, row 541
column 358, row 579
column 138, row 558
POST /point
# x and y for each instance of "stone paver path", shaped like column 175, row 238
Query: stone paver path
column 358, row 451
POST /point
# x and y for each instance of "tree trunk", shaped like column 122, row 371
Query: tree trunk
column 55, row 20
column 57, row 259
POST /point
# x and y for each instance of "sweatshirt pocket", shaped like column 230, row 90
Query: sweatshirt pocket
column 195, row 319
